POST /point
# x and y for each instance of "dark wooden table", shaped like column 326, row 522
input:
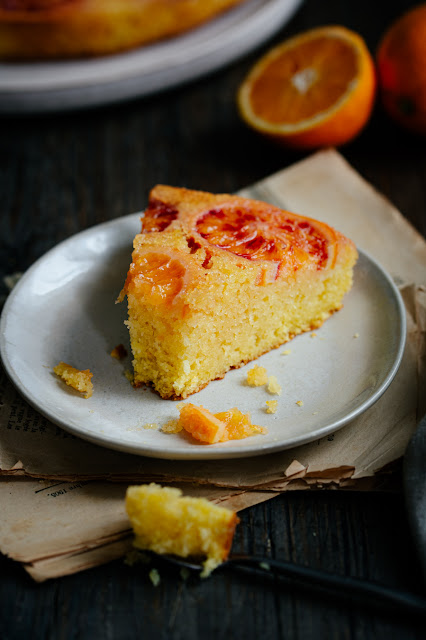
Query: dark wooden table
column 62, row 173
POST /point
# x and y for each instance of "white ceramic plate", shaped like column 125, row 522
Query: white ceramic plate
column 63, row 309
column 53, row 86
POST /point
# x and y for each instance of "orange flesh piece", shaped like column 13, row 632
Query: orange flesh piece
column 329, row 65
column 201, row 424
column 238, row 425
column 158, row 216
column 157, row 276
column 220, row 427
column 258, row 237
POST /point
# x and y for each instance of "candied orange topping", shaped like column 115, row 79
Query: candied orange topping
column 158, row 216
column 269, row 234
column 238, row 425
column 201, row 424
column 156, row 275
column 219, row 427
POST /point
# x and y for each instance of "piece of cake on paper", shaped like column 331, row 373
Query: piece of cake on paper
column 166, row 522
column 218, row 280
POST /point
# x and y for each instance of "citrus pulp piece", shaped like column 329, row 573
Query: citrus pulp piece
column 210, row 428
column 266, row 234
column 158, row 276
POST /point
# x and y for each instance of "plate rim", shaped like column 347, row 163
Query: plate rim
column 203, row 453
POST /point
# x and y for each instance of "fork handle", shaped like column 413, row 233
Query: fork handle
column 344, row 587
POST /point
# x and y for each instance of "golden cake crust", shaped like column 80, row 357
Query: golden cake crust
column 218, row 280
column 51, row 29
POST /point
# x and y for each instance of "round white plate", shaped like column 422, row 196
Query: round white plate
column 64, row 308
column 52, row 86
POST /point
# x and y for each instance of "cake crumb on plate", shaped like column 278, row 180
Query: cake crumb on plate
column 257, row 376
column 271, row 406
column 274, row 386
column 80, row 380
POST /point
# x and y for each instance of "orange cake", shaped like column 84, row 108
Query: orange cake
column 218, row 280
column 165, row 521
column 43, row 29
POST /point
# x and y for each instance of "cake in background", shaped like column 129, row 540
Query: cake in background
column 57, row 29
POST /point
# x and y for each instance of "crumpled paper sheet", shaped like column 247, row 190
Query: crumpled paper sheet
column 73, row 519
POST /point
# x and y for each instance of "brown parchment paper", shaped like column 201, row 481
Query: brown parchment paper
column 59, row 515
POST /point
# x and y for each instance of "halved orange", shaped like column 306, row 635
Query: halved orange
column 316, row 89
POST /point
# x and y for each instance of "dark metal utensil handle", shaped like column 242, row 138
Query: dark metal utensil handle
column 346, row 587
column 415, row 490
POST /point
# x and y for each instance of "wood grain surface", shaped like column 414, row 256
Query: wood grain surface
column 60, row 174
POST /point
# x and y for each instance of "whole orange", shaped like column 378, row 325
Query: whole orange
column 401, row 64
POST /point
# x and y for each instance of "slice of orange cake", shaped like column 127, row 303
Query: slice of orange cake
column 218, row 280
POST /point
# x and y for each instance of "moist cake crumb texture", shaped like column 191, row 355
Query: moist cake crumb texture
column 77, row 379
column 271, row 406
column 274, row 386
column 257, row 376
column 166, row 522
column 218, row 280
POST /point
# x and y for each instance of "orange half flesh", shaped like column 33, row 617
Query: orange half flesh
column 315, row 89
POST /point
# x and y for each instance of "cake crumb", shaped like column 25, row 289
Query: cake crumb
column 165, row 521
column 300, row 403
column 257, row 377
column 154, row 576
column 77, row 379
column 129, row 376
column 172, row 426
column 271, row 406
column 356, row 335
column 313, row 334
column 286, row 352
column 151, row 425
column 119, row 352
column 274, row 386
